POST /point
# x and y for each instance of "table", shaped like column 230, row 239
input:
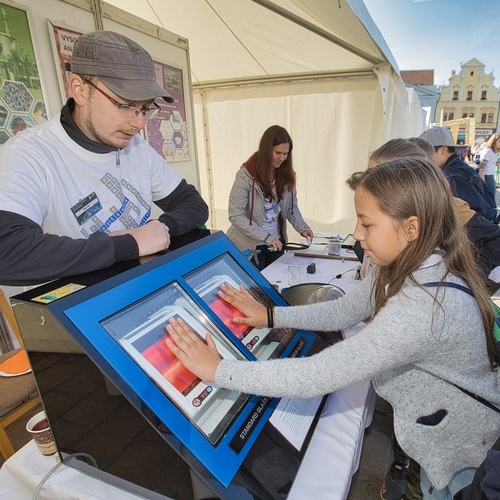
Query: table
column 334, row 451
column 327, row 270
column 329, row 463
column 335, row 448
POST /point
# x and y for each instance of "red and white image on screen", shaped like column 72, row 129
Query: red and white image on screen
column 164, row 360
column 226, row 312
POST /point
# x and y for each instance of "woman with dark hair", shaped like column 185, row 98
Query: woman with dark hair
column 264, row 197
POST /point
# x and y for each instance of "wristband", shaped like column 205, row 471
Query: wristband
column 270, row 317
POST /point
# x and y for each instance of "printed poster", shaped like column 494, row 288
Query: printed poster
column 168, row 134
column 21, row 100
column 64, row 40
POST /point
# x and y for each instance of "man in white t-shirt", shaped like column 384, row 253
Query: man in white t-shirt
column 76, row 192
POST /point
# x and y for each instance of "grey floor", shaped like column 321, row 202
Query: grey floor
column 376, row 455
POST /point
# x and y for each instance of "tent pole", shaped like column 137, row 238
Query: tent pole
column 286, row 78
column 208, row 160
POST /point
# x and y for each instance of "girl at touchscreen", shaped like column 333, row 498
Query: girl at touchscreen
column 426, row 339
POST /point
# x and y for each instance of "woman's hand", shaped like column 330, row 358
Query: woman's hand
column 198, row 357
column 255, row 312
column 276, row 243
column 308, row 234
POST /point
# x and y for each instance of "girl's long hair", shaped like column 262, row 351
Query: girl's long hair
column 264, row 169
column 414, row 186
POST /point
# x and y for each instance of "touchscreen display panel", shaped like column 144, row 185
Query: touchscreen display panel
column 140, row 330
column 121, row 324
column 264, row 343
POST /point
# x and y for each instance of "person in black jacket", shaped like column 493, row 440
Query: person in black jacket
column 484, row 233
column 76, row 192
column 464, row 181
column 486, row 482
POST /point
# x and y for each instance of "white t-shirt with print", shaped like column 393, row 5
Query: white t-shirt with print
column 70, row 191
column 491, row 158
column 272, row 209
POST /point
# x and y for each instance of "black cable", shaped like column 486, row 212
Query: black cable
column 342, row 274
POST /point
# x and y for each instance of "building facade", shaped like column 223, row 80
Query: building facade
column 471, row 93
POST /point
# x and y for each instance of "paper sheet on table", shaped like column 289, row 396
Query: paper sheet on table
column 293, row 418
column 319, row 235
column 495, row 275
column 317, row 246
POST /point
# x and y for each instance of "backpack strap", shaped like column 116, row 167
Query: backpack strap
column 449, row 284
column 494, row 306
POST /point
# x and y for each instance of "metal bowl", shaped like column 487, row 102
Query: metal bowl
column 311, row 293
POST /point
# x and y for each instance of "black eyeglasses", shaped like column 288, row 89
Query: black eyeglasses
column 129, row 110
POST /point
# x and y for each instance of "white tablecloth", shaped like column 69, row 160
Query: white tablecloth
column 326, row 471
column 21, row 474
column 333, row 454
column 327, row 271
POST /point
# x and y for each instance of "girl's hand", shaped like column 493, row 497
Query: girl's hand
column 198, row 357
column 255, row 312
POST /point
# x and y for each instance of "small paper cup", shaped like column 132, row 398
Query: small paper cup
column 39, row 429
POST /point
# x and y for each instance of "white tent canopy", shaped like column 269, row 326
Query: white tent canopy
column 241, row 40
column 319, row 68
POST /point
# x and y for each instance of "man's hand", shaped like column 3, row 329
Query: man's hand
column 255, row 312
column 151, row 238
column 198, row 357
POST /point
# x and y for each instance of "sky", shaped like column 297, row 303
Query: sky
column 440, row 34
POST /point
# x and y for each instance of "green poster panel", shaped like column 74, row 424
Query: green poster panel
column 21, row 100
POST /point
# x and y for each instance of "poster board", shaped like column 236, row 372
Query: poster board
column 21, row 99
column 174, row 132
